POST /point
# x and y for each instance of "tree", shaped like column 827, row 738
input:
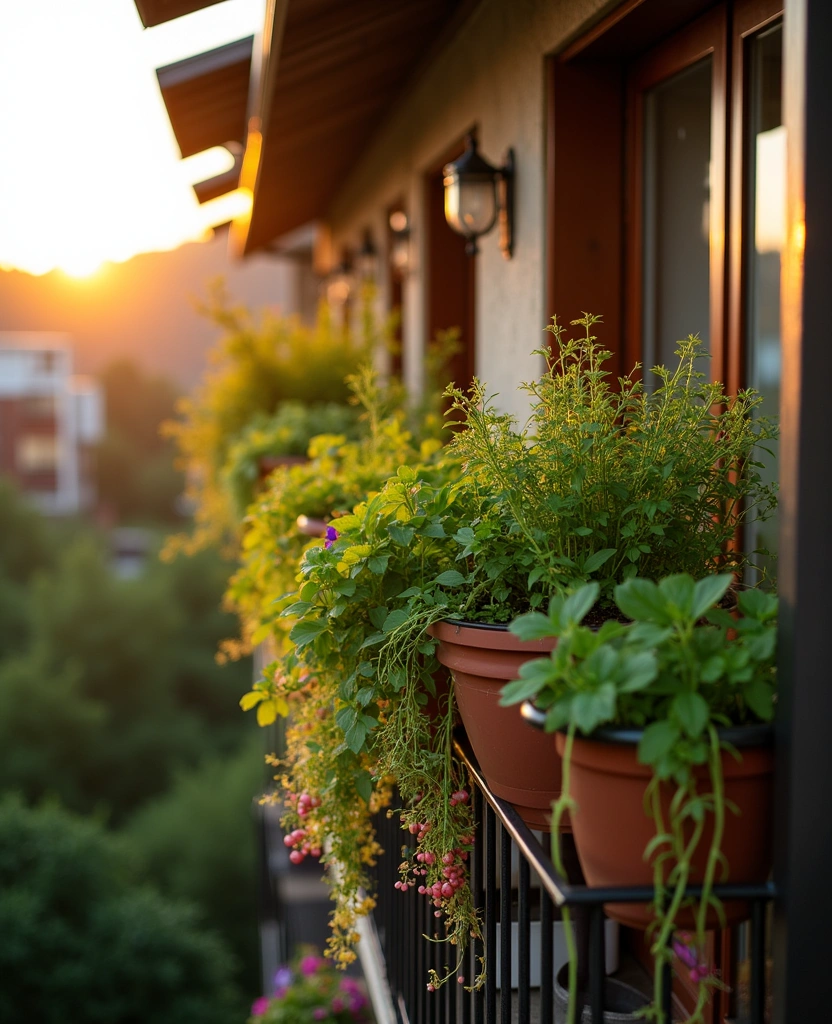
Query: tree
column 135, row 464
column 79, row 943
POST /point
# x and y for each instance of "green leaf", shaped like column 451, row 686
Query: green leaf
column 266, row 712
column 401, row 535
column 434, row 530
column 583, row 531
column 578, row 604
column 346, row 587
column 641, row 669
column 759, row 696
column 640, row 599
column 532, row 626
column 709, row 591
column 595, row 561
column 449, row 578
column 355, row 736
column 589, row 710
column 378, row 564
column 658, row 740
column 692, row 712
column 364, row 786
column 305, row 631
column 522, row 689
column 678, row 593
column 365, row 695
column 394, row 620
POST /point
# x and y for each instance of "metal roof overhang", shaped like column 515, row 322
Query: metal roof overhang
column 157, row 12
column 330, row 72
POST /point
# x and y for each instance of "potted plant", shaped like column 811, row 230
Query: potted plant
column 605, row 481
column 662, row 724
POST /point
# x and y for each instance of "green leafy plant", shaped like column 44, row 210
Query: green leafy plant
column 310, row 991
column 681, row 669
column 257, row 366
column 604, row 482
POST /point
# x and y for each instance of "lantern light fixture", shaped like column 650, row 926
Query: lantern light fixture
column 367, row 258
column 477, row 195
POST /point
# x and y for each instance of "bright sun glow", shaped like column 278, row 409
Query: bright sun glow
column 91, row 172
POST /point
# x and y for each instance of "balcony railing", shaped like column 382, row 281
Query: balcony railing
column 514, row 882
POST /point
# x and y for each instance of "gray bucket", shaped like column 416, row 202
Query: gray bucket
column 622, row 1002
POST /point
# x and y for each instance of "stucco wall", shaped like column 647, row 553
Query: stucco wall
column 491, row 74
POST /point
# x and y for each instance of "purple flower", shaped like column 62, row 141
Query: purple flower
column 282, row 978
column 349, row 985
column 357, row 1002
column 337, row 1004
column 309, row 965
column 331, row 536
column 685, row 954
column 320, row 1013
column 259, row 1006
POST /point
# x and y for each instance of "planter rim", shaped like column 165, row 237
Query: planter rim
column 756, row 734
column 501, row 626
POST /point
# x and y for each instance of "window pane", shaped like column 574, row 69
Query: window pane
column 766, row 149
column 677, row 157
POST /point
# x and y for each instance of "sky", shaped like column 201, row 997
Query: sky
column 89, row 167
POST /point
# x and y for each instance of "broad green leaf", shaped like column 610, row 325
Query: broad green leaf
column 378, row 564
column 641, row 669
column 578, row 604
column 640, row 599
column 678, row 592
column 355, row 736
column 364, row 786
column 589, row 710
column 658, row 739
column 709, row 591
column 596, row 560
column 394, row 620
column 521, row 689
column 401, row 535
column 759, row 696
column 305, row 631
column 450, row 578
column 532, row 626
column 692, row 712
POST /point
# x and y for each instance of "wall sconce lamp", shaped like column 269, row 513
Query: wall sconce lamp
column 477, row 194
column 367, row 258
column 340, row 283
column 399, row 241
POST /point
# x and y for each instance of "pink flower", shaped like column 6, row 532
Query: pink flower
column 337, row 1004
column 259, row 1006
column 320, row 1013
column 309, row 965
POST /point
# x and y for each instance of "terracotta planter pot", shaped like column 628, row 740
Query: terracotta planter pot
column 520, row 765
column 612, row 829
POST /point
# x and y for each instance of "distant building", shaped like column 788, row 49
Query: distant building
column 49, row 420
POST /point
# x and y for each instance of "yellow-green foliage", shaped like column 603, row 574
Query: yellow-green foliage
column 257, row 364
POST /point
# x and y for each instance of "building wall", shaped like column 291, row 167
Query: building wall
column 492, row 75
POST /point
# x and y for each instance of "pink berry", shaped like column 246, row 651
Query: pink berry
column 413, row 828
column 437, row 913
column 397, row 885
column 296, row 857
column 447, row 889
column 431, row 988
column 460, row 980
column 430, row 858
column 421, row 890
column 288, row 841
column 315, row 851
column 448, row 858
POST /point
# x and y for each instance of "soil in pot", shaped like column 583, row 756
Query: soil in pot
column 623, row 1004
column 520, row 765
column 612, row 829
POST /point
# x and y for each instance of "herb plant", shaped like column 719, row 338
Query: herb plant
column 679, row 679
column 605, row 482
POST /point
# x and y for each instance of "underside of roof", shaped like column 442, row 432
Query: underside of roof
column 336, row 71
column 157, row 12
column 207, row 96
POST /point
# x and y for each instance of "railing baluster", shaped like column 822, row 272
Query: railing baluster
column 524, row 945
column 757, row 952
column 479, row 902
column 491, row 914
column 596, row 964
column 505, row 926
column 667, row 992
column 547, row 959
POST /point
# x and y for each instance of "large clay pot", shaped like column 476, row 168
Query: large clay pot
column 520, row 765
column 612, row 829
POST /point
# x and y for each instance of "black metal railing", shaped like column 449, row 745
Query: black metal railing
column 514, row 881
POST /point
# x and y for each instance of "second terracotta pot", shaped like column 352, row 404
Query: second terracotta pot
column 612, row 829
column 520, row 765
